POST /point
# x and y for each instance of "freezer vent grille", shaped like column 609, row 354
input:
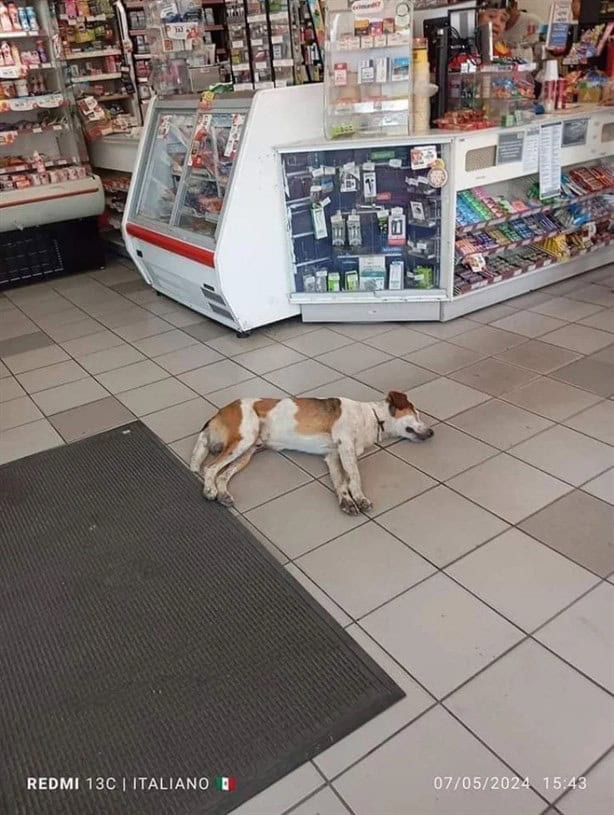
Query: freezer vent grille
column 213, row 298
column 607, row 132
column 480, row 159
column 221, row 311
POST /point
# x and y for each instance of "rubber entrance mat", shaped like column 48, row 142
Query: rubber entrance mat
column 151, row 650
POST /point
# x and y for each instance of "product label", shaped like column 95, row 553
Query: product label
column 417, row 210
column 422, row 157
column 367, row 8
column 182, row 31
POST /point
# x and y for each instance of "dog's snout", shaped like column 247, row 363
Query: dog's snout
column 429, row 433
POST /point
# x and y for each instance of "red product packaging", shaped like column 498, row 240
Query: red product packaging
column 561, row 98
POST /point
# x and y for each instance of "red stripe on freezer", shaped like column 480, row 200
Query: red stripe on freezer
column 48, row 198
column 177, row 247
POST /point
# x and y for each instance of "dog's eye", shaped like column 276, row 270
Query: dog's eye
column 409, row 430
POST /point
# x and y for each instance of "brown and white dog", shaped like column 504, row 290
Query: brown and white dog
column 338, row 429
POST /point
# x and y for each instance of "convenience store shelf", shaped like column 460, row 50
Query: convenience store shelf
column 19, row 71
column 560, row 204
column 543, row 264
column 23, row 35
column 104, row 52
column 582, row 261
column 23, row 103
column 96, row 77
column 79, row 199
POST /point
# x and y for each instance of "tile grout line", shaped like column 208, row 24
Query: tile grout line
column 375, row 519
column 586, row 772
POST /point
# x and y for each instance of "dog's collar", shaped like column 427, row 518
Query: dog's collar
column 380, row 425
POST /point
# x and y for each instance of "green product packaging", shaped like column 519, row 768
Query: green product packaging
column 334, row 281
column 351, row 281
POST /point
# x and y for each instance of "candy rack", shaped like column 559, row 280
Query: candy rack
column 504, row 230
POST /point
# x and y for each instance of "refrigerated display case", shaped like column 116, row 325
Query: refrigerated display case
column 205, row 217
column 45, row 177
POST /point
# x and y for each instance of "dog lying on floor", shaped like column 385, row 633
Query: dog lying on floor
column 338, row 429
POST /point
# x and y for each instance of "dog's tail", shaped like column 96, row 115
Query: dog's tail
column 201, row 450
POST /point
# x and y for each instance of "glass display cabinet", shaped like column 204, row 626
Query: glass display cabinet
column 365, row 223
column 191, row 154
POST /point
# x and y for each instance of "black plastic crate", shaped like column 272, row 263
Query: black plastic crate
column 34, row 254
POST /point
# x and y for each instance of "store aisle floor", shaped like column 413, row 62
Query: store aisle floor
column 483, row 580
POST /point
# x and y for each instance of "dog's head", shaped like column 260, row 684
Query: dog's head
column 404, row 419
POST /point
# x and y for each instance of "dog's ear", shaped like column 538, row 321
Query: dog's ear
column 397, row 401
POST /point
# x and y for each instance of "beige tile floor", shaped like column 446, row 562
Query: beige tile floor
column 483, row 581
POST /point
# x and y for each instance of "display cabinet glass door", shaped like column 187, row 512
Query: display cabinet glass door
column 167, row 154
column 212, row 154
column 366, row 219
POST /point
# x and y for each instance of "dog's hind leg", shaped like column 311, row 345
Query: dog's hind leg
column 223, row 496
column 201, row 450
column 230, row 453
column 340, row 484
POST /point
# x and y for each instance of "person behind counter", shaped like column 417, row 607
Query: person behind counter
column 521, row 28
column 496, row 14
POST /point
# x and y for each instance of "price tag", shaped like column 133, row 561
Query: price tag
column 234, row 135
column 476, row 262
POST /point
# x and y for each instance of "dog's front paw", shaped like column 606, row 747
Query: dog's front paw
column 364, row 505
column 210, row 492
column 348, row 506
column 225, row 498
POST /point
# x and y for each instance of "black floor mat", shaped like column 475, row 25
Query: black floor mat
column 144, row 634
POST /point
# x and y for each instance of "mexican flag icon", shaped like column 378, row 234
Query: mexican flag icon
column 225, row 783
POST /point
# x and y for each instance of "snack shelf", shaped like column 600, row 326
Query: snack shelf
column 112, row 97
column 532, row 268
column 10, row 136
column 97, row 77
column 30, row 166
column 532, row 210
column 508, row 247
column 104, row 52
column 77, row 21
column 24, row 103
column 19, row 71
column 73, row 194
column 13, row 35
column 49, row 198
column 100, row 38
